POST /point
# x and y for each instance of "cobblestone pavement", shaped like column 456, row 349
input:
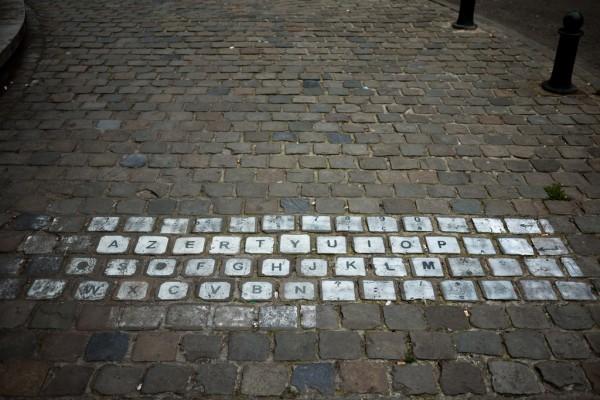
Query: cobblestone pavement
column 291, row 199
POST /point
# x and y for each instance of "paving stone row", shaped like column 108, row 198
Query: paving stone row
column 407, row 349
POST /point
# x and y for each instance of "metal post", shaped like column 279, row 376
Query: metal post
column 566, row 51
column 465, row 15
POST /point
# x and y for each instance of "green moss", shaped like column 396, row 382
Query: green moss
column 556, row 192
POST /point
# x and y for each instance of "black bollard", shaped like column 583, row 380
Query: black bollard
column 570, row 33
column 465, row 15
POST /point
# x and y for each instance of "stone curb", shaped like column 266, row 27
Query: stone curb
column 12, row 28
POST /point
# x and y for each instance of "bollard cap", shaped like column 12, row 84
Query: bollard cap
column 573, row 22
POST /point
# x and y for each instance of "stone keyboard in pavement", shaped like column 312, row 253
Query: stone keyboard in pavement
column 287, row 258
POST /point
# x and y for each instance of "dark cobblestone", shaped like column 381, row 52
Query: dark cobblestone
column 295, row 346
column 526, row 344
column 513, row 378
column 340, row 345
column 415, row 379
column 459, row 377
column 219, row 378
column 248, row 346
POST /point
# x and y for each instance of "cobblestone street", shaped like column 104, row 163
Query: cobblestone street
column 241, row 199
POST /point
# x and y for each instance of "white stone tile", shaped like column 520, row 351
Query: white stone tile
column 199, row 267
column 465, row 266
column 489, row 225
column 477, row 245
column 442, row 245
column 278, row 317
column 294, row 244
column 139, row 224
column 260, row 245
column 174, row 225
column 378, row 290
column 515, row 246
column 389, row 266
column 189, row 245
column 313, row 267
column 316, row 223
column 429, row 267
column 331, row 245
column 225, row 245
column 459, row 290
column 369, row 245
column 417, row 224
column 275, row 267
column 499, row 290
column 350, row 266
column 257, row 291
column 572, row 267
column 543, row 267
column 121, row 267
column 91, row 290
column 278, row 223
column 132, row 290
column 242, row 224
column 348, row 224
column 549, row 246
column 418, row 290
column 308, row 316
column 44, row 289
column 453, row 224
column 208, row 225
column 537, row 290
column 522, row 225
column 238, row 267
column 114, row 244
column 546, row 226
column 334, row 290
column 173, row 290
column 161, row 267
column 505, row 267
column 579, row 291
column 81, row 265
column 215, row 290
column 299, row 291
column 103, row 224
column 152, row 245
column 382, row 224
column 406, row 245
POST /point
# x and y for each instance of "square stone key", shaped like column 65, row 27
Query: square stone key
column 369, row 245
column 417, row 224
column 172, row 290
column 348, row 224
column 428, row 267
column 515, row 246
column 188, row 245
column 442, row 245
column 260, row 245
column 113, row 244
column 238, row 267
column 572, row 267
column 476, row 245
column 505, row 267
column 299, row 291
column 378, row 290
column 103, row 224
column 406, row 245
column 538, row 290
column 313, row 267
column 418, row 290
column 151, row 245
column 139, row 224
column 278, row 223
column 294, row 244
column 334, row 290
column 522, row 225
column 91, row 290
column 161, row 267
column 449, row 224
column 216, row 291
column 208, row 225
column 382, row 224
column 459, row 290
column 175, row 225
column 44, row 289
column 253, row 291
column 498, row 290
column 389, row 266
column 121, row 267
column 350, row 266
column 575, row 291
column 331, row 244
column 225, row 245
column 489, row 225
column 465, row 266
column 199, row 267
column 81, row 266
column 242, row 224
column 549, row 246
column 132, row 290
column 318, row 223
column 275, row 267
column 543, row 267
